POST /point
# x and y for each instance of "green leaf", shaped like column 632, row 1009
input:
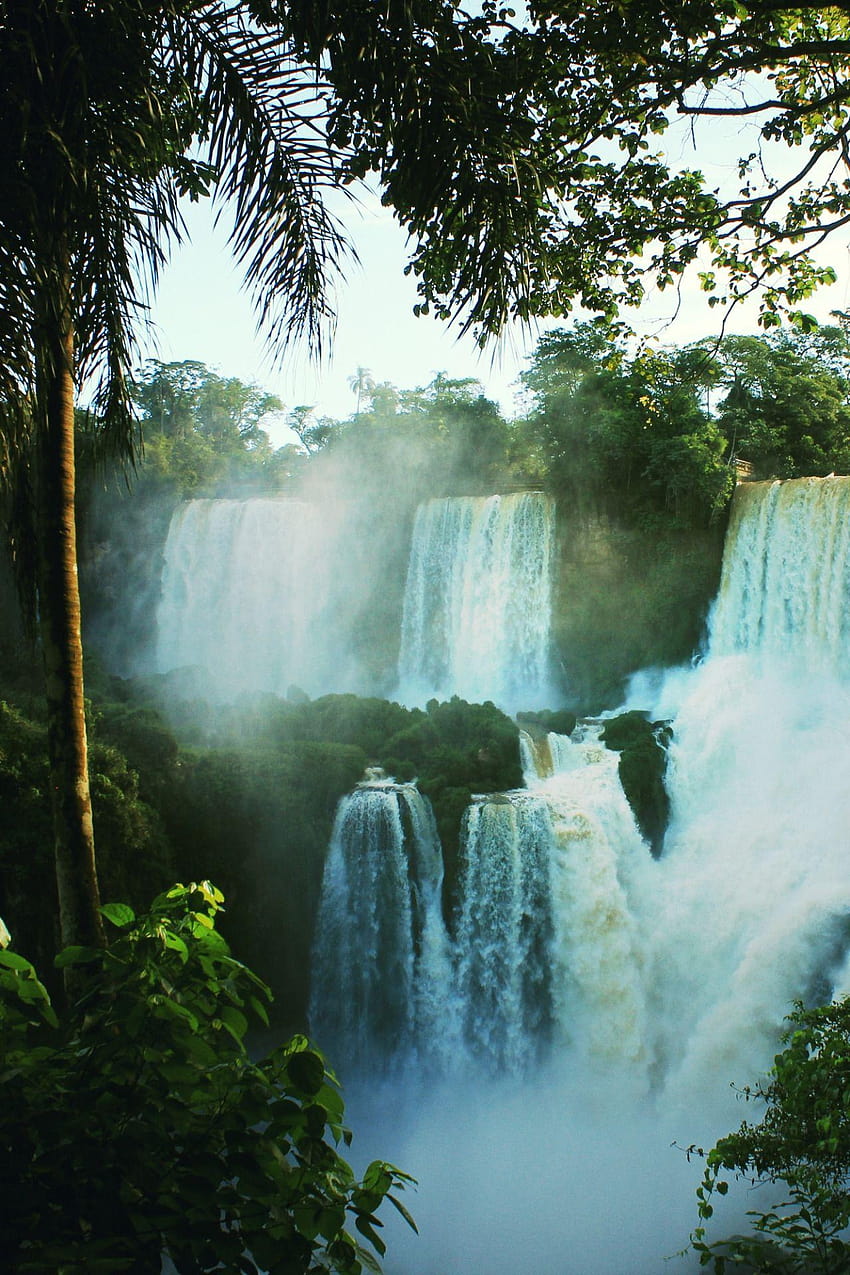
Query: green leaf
column 259, row 1009
column 75, row 955
column 14, row 961
column 306, row 1071
column 120, row 914
column 234, row 1021
column 366, row 1226
column 397, row 1204
column 176, row 944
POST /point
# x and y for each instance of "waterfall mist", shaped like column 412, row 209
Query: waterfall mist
column 545, row 1143
column 264, row 594
column 531, row 1039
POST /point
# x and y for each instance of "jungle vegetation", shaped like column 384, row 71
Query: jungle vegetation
column 544, row 189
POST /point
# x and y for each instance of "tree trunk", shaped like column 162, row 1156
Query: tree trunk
column 60, row 628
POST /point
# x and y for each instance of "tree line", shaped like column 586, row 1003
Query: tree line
column 652, row 434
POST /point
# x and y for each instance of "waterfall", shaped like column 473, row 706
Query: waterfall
column 245, row 590
column 754, row 897
column 504, row 931
column 617, row 996
column 785, row 586
column 381, row 980
column 602, row 872
column 477, row 601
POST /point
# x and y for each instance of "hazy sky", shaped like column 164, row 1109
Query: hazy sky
column 200, row 313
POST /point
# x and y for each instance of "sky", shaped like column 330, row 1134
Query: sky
column 201, row 313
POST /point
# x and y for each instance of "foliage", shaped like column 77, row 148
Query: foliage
column 441, row 439
column 613, row 91
column 451, row 742
column 134, row 855
column 110, row 114
column 261, row 818
column 785, row 404
column 801, row 1146
column 251, row 795
column 626, row 435
column 203, row 433
column 452, row 749
column 456, row 749
column 138, row 1125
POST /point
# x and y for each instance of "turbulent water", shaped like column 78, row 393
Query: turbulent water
column 614, row 997
column 477, row 601
column 381, row 980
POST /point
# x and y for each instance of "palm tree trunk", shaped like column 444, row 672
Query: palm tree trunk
column 60, row 628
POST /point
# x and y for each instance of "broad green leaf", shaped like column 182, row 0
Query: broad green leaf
column 306, row 1071
column 120, row 914
column 76, row 956
column 15, row 961
column 234, row 1021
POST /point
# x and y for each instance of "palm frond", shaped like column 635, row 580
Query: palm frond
column 261, row 116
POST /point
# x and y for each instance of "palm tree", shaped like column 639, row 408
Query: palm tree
column 110, row 112
column 362, row 382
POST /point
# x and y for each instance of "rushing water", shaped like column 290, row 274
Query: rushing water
column 381, row 979
column 263, row 594
column 617, row 997
column 477, row 601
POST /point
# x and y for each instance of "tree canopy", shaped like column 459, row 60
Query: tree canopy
column 616, row 93
column 799, row 1150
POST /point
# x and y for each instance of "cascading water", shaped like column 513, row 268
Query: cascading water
column 648, row 986
column 754, row 899
column 477, row 601
column 601, row 871
column 785, row 590
column 247, row 596
column 381, row 978
column 504, row 931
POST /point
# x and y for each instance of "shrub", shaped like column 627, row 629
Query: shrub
column 801, row 1146
column 137, row 1125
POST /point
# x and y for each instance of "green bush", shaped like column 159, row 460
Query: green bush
column 134, row 855
column 801, row 1147
column 138, row 1126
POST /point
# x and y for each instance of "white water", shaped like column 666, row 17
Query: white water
column 248, row 591
column 477, row 601
column 668, row 980
column 381, row 979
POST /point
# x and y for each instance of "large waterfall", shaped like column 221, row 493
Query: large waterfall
column 785, row 590
column 266, row 593
column 617, row 996
column 477, row 602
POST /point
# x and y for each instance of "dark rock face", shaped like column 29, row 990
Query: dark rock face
column 642, row 746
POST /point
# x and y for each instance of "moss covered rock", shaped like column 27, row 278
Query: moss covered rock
column 642, row 746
